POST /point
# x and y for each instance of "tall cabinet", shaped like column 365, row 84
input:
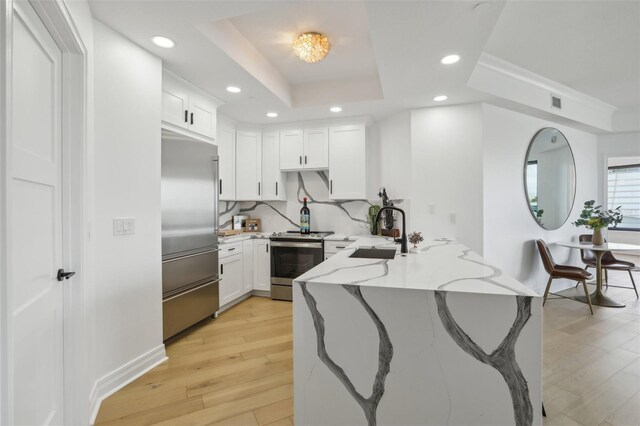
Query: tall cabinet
column 348, row 163
column 227, row 163
column 248, row 166
column 273, row 179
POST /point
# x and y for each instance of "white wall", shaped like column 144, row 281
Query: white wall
column 509, row 228
column 127, row 184
column 617, row 145
column 446, row 173
column 394, row 133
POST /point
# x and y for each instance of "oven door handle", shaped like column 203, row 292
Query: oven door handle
column 295, row 245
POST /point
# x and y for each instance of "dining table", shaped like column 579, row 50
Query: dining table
column 598, row 297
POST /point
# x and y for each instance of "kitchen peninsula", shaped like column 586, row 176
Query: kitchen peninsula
column 432, row 338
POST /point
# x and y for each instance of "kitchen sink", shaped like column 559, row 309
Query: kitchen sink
column 373, row 253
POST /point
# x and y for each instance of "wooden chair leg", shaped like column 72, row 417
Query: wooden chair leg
column 634, row 283
column 546, row 290
column 586, row 293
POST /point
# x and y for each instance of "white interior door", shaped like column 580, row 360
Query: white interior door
column 36, row 298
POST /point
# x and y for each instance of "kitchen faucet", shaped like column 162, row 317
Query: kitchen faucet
column 403, row 239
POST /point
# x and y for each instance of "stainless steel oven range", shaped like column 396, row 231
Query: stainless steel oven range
column 293, row 254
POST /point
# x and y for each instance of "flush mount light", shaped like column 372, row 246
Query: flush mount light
column 272, row 114
column 440, row 98
column 234, row 89
column 450, row 59
column 335, row 109
column 311, row 47
column 163, row 42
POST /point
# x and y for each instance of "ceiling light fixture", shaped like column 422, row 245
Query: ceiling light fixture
column 440, row 98
column 161, row 41
column 450, row 59
column 311, row 47
column 335, row 109
column 234, row 89
column 272, row 114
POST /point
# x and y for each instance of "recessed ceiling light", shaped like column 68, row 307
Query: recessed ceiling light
column 450, row 59
column 440, row 98
column 335, row 109
column 272, row 114
column 234, row 89
column 163, row 42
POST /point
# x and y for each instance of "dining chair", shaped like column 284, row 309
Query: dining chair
column 608, row 262
column 556, row 271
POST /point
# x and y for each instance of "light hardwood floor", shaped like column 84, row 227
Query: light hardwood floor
column 237, row 370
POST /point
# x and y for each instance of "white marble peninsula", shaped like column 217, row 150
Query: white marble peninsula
column 437, row 337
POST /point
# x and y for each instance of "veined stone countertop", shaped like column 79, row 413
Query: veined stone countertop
column 439, row 265
column 242, row 237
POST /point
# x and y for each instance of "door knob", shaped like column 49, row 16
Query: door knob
column 62, row 275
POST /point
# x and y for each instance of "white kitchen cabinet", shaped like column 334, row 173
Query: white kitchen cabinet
column 316, row 148
column 273, row 180
column 186, row 107
column 248, row 166
column 262, row 265
column 231, row 278
column 306, row 149
column 291, row 150
column 226, row 142
column 347, row 162
column 248, row 265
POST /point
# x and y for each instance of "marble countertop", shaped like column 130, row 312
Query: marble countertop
column 242, row 237
column 439, row 265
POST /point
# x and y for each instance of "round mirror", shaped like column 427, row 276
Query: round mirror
column 550, row 178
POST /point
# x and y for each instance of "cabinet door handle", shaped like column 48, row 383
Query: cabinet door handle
column 305, row 159
column 191, row 118
column 222, row 269
column 220, row 186
column 186, row 116
column 267, row 247
column 258, row 188
column 331, row 187
column 301, row 159
column 276, row 188
column 232, row 249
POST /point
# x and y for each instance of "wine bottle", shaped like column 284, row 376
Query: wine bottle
column 305, row 218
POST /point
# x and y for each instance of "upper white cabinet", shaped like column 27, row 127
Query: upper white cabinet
column 316, row 148
column 248, row 166
column 306, row 149
column 226, row 141
column 348, row 163
column 186, row 107
column 273, row 180
column 291, row 150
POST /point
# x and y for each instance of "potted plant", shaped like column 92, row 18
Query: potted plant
column 593, row 217
column 415, row 238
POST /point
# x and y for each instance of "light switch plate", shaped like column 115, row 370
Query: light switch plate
column 124, row 226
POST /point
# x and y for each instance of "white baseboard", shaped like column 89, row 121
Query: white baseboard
column 122, row 376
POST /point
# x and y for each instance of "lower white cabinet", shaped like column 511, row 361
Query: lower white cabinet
column 247, row 263
column 231, row 278
column 262, row 265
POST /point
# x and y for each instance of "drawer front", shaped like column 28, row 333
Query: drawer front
column 182, row 311
column 230, row 249
column 186, row 271
column 335, row 246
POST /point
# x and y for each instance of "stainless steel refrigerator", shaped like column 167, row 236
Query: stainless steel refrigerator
column 189, row 232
